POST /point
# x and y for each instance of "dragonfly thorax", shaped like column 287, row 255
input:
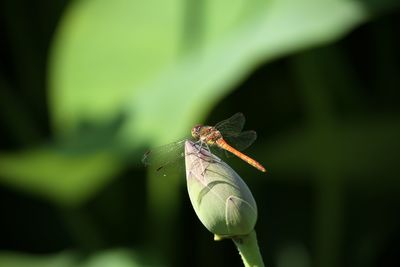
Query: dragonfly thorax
column 206, row 134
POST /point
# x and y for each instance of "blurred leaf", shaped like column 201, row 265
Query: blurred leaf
column 103, row 50
column 137, row 58
column 114, row 258
column 61, row 176
column 112, row 56
column 14, row 259
column 110, row 258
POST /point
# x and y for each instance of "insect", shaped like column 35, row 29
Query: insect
column 226, row 135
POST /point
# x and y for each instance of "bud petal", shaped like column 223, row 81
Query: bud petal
column 220, row 198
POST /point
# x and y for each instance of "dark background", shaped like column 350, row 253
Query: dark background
column 330, row 137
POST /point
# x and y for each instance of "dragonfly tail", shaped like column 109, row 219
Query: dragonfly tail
column 224, row 145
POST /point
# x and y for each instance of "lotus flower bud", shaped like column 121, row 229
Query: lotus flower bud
column 220, row 198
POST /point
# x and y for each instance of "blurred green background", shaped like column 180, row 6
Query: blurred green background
column 86, row 87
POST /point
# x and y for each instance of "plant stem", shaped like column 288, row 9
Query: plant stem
column 248, row 249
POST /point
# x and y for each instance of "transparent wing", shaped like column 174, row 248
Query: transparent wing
column 242, row 140
column 231, row 126
column 165, row 157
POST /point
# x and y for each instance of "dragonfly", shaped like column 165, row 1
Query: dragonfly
column 226, row 135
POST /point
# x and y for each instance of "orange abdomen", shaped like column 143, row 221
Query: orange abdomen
column 224, row 145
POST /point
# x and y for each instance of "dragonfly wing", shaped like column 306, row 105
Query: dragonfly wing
column 165, row 156
column 231, row 126
column 242, row 140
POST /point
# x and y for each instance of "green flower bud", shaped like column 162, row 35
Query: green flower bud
column 220, row 198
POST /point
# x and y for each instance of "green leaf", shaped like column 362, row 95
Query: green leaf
column 61, row 176
column 14, row 259
column 162, row 64
column 103, row 51
column 107, row 258
column 139, row 57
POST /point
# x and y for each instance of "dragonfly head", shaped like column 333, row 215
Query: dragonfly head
column 196, row 131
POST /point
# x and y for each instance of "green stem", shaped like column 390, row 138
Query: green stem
column 248, row 249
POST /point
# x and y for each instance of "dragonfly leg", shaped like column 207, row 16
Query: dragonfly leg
column 201, row 153
column 201, row 147
column 207, row 158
